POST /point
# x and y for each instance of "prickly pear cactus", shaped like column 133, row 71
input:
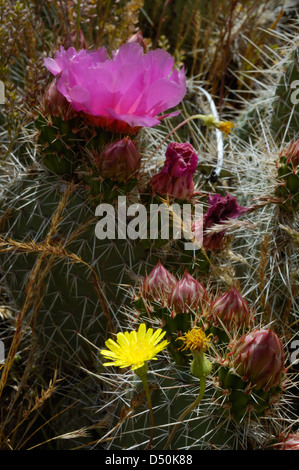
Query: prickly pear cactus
column 285, row 120
column 76, row 299
column 272, row 123
column 170, row 348
column 288, row 179
column 240, row 379
column 245, row 387
column 249, row 381
column 52, row 208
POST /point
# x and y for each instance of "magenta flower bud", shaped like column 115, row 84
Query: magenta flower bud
column 121, row 93
column 176, row 177
column 290, row 442
column 231, row 310
column 187, row 294
column 259, row 359
column 119, row 161
column 158, row 284
column 55, row 104
column 221, row 209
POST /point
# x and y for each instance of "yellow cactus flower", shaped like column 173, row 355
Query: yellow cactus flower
column 133, row 349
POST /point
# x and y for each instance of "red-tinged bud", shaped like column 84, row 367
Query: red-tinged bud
column 119, row 161
column 139, row 39
column 292, row 153
column 157, row 285
column 176, row 177
column 231, row 310
column 188, row 294
column 259, row 359
column 55, row 104
column 72, row 41
column 220, row 210
column 290, row 442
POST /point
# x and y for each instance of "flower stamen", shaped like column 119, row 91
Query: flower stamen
column 195, row 340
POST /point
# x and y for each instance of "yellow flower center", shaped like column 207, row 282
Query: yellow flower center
column 225, row 126
column 195, row 340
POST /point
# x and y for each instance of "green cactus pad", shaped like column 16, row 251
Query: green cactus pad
column 285, row 119
column 240, row 400
column 59, row 147
column 288, row 185
column 74, row 292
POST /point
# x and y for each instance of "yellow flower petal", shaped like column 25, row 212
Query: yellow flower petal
column 122, row 340
column 112, row 345
column 142, row 331
column 158, row 335
column 134, row 348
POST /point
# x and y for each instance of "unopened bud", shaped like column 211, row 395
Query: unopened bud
column 290, row 442
column 188, row 294
column 292, row 153
column 231, row 310
column 259, row 359
column 119, row 161
column 176, row 177
column 55, row 104
column 157, row 285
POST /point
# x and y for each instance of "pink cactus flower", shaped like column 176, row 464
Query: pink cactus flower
column 231, row 310
column 176, row 177
column 157, row 285
column 259, row 359
column 122, row 93
column 188, row 294
column 221, row 209
column 119, row 161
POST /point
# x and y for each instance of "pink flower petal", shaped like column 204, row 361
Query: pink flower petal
column 131, row 87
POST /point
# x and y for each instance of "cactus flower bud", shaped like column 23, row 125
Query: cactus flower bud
column 158, row 284
column 231, row 310
column 187, row 294
column 259, row 359
column 176, row 177
column 290, row 442
column 221, row 209
column 292, row 153
column 119, row 161
column 55, row 104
